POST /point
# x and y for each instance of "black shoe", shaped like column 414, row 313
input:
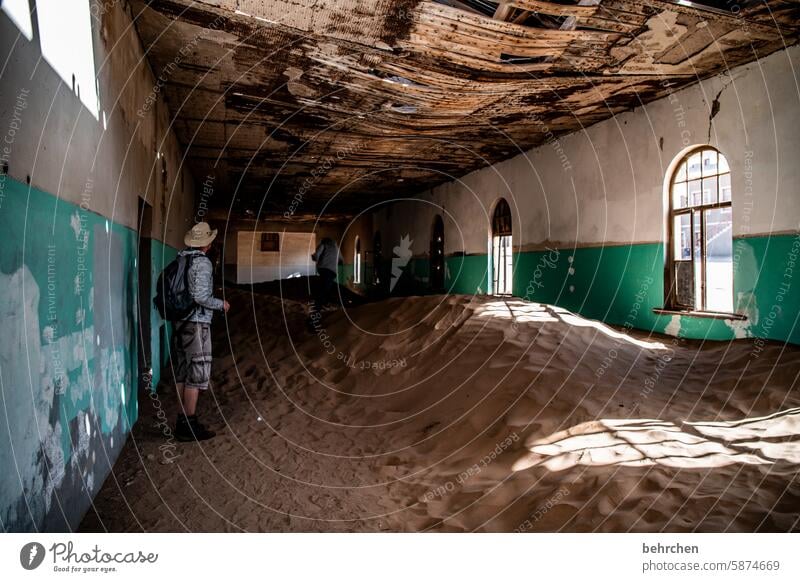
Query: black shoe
column 188, row 429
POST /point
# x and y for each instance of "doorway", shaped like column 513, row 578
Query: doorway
column 377, row 258
column 145, row 276
column 502, row 258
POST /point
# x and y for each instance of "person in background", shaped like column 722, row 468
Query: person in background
column 193, row 334
column 328, row 259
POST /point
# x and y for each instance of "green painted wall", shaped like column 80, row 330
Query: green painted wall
column 600, row 282
column 622, row 284
column 467, row 274
column 463, row 275
column 419, row 268
column 344, row 273
column 767, row 285
column 68, row 360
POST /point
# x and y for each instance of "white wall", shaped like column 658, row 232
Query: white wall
column 605, row 184
column 67, row 152
column 255, row 266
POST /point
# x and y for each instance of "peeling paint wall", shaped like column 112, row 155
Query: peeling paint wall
column 597, row 199
column 69, row 196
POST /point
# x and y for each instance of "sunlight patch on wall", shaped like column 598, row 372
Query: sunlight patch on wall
column 19, row 13
column 65, row 28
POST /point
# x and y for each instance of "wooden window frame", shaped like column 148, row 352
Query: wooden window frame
column 266, row 237
column 670, row 300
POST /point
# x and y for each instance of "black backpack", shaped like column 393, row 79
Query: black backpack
column 173, row 300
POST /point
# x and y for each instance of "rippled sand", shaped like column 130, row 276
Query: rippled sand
column 453, row 413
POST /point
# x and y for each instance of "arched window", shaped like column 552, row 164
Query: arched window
column 700, row 251
column 357, row 262
column 437, row 254
column 502, row 261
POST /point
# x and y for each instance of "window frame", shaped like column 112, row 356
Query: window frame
column 270, row 236
column 670, row 284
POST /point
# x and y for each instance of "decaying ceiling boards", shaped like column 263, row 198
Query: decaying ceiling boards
column 403, row 95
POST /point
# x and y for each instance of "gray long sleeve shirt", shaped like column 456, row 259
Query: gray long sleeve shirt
column 327, row 256
column 201, row 287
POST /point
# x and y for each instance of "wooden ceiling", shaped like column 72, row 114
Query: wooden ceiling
column 328, row 106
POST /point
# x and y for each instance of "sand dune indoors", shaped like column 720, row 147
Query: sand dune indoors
column 457, row 413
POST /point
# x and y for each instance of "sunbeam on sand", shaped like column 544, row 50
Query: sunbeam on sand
column 651, row 442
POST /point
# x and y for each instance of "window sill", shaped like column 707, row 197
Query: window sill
column 706, row 314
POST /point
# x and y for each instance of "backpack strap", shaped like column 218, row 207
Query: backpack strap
column 189, row 258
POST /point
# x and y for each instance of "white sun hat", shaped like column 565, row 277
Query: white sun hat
column 199, row 235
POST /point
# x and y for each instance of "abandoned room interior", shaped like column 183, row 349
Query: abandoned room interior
column 567, row 290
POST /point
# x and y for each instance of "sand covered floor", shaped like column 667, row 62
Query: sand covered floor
column 457, row 413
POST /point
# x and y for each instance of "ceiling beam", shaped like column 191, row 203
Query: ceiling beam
column 504, row 11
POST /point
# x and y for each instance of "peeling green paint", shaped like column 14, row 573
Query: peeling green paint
column 68, row 365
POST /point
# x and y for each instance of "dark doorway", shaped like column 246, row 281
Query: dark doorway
column 437, row 255
column 377, row 258
column 144, row 268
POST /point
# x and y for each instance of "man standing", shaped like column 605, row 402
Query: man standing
column 193, row 334
column 328, row 259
